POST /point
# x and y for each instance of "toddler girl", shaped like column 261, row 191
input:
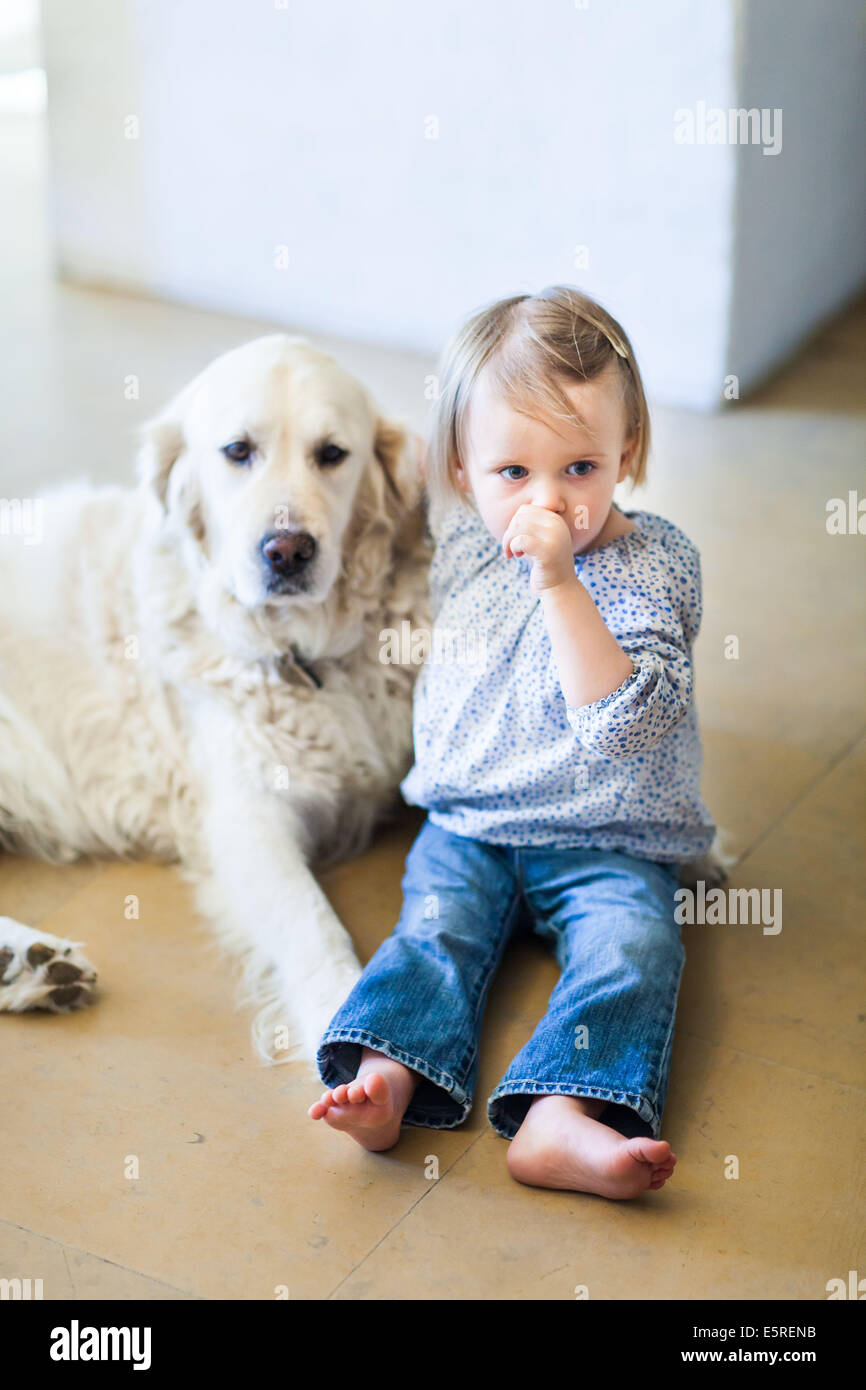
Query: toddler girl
column 558, row 756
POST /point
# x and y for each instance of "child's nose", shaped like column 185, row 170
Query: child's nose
column 549, row 497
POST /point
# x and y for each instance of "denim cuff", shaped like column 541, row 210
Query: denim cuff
column 628, row 1114
column 438, row 1102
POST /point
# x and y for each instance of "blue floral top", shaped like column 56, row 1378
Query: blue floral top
column 500, row 756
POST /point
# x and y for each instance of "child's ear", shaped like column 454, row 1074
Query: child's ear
column 627, row 456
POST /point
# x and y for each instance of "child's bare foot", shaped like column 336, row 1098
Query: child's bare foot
column 562, row 1144
column 371, row 1107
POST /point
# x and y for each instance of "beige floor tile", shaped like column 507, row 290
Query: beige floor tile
column 795, row 997
column 749, row 782
column 67, row 1273
column 31, row 889
column 791, row 1221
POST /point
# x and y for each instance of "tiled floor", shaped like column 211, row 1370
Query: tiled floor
column 768, row 1058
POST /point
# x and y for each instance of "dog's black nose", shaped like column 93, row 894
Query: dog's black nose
column 288, row 552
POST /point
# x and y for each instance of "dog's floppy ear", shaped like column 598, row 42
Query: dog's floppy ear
column 161, row 443
column 397, row 451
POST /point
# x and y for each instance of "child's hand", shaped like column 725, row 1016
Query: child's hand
column 545, row 537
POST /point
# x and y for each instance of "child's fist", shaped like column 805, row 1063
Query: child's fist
column 544, row 536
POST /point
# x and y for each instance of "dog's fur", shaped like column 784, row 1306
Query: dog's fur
column 151, row 700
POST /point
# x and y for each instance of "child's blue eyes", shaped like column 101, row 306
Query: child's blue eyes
column 583, row 464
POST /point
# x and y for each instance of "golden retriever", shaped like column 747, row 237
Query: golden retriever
column 192, row 670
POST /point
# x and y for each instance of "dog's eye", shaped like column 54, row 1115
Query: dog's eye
column 239, row 451
column 330, row 453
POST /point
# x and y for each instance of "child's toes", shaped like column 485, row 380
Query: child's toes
column 321, row 1106
column 658, row 1151
column 652, row 1151
column 356, row 1093
column 661, row 1174
column 376, row 1088
column 340, row 1095
column 659, row 1180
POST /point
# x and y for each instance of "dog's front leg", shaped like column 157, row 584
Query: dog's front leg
column 256, row 887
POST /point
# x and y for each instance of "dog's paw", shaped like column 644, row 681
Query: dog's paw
column 41, row 971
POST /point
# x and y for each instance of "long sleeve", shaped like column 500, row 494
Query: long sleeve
column 655, row 617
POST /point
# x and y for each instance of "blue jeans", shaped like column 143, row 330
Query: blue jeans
column 609, row 1024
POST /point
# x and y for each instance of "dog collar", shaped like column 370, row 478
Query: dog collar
column 289, row 664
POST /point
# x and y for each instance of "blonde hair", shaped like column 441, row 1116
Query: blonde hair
column 529, row 342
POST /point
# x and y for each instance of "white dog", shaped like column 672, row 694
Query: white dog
column 192, row 670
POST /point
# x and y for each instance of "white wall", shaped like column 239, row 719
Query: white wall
column 800, row 217
column 304, row 126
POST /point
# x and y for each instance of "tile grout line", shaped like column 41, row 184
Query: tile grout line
column 405, row 1215
column 68, row 1271
column 806, row 791
column 773, row 1062
column 91, row 1254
